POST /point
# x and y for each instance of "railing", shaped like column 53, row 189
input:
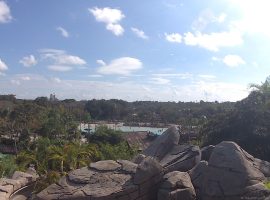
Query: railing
column 23, row 193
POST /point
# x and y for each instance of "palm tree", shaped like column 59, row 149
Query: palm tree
column 263, row 88
column 57, row 154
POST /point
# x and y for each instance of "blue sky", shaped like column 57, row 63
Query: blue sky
column 164, row 50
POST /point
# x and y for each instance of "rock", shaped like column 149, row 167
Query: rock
column 108, row 180
column 262, row 165
column 148, row 168
column 106, row 165
column 257, row 191
column 4, row 195
column 181, row 158
column 28, row 178
column 176, row 186
column 172, row 155
column 139, row 158
column 32, row 172
column 128, row 166
column 231, row 173
column 81, row 176
column 18, row 180
column 163, row 144
column 206, row 152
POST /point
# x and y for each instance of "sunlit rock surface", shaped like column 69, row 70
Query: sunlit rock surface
column 231, row 173
column 108, row 180
column 167, row 170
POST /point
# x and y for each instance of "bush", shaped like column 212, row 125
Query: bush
column 116, row 152
column 267, row 185
column 7, row 165
column 103, row 134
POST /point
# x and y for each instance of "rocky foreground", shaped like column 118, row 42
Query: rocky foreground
column 19, row 180
column 167, row 170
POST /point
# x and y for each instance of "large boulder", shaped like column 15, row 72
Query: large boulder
column 171, row 155
column 163, row 144
column 230, row 174
column 108, row 180
column 176, row 186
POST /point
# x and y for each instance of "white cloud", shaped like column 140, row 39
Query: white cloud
column 56, row 80
column 160, row 81
column 117, row 29
column 214, row 58
column 221, row 18
column 25, row 78
column 126, row 90
column 207, row 76
column 101, row 62
column 59, row 68
column 3, row 65
column 257, row 22
column 28, row 61
column 139, row 33
column 175, row 75
column 52, row 51
column 95, row 76
column 233, row 60
column 207, row 17
column 121, row 66
column 213, row 41
column 70, row 60
column 111, row 17
column 107, row 15
column 61, row 57
column 5, row 15
column 63, row 31
column 173, row 37
column 221, row 91
column 15, row 82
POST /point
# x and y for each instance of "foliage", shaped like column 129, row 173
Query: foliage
column 44, row 181
column 115, row 152
column 103, row 134
column 267, row 185
column 248, row 124
column 7, row 165
column 185, row 113
column 51, row 156
column 53, row 159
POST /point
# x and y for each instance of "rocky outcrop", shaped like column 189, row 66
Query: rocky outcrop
column 116, row 180
column 231, row 173
column 167, row 170
column 163, row 144
column 18, row 181
column 176, row 185
column 171, row 155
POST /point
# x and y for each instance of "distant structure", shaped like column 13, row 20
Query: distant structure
column 53, row 97
column 8, row 97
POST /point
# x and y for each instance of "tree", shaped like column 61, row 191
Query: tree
column 103, row 134
column 248, row 124
column 263, row 88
